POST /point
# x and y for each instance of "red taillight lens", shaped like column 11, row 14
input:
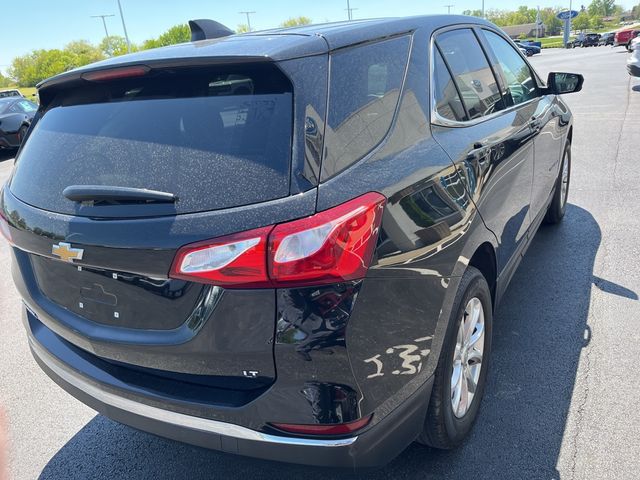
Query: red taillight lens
column 4, row 229
column 335, row 429
column 331, row 246
column 238, row 259
column 116, row 73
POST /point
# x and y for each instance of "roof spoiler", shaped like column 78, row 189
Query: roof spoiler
column 205, row 29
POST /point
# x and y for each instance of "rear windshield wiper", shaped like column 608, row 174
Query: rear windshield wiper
column 116, row 195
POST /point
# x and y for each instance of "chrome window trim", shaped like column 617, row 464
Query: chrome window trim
column 436, row 118
column 170, row 417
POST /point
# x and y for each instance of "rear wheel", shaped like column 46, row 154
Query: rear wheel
column 529, row 52
column 462, row 368
column 558, row 205
column 22, row 133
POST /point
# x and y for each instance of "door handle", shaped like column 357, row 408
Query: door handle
column 480, row 153
column 535, row 124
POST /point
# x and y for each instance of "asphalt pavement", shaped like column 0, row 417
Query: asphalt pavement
column 564, row 382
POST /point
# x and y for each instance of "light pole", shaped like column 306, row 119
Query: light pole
column 350, row 11
column 106, row 33
column 482, row 8
column 248, row 19
column 124, row 27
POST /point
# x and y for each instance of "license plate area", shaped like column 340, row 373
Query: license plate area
column 113, row 298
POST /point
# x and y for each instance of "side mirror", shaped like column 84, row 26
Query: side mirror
column 559, row 83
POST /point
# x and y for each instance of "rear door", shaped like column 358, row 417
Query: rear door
column 486, row 135
column 95, row 270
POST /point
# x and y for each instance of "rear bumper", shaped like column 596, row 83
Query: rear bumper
column 374, row 447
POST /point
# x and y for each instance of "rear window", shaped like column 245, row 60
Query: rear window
column 364, row 90
column 214, row 138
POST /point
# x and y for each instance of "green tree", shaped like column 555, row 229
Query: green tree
column 295, row 21
column 603, row 8
column 5, row 81
column 552, row 23
column 176, row 34
column 581, row 22
column 114, row 45
column 81, row 52
column 242, row 28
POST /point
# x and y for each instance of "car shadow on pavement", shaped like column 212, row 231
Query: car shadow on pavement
column 6, row 154
column 539, row 332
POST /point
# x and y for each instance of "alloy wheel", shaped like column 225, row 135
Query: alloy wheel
column 467, row 357
column 565, row 180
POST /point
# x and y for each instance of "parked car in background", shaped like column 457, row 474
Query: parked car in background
column 633, row 62
column 586, row 40
column 10, row 93
column 606, row 39
column 530, row 47
column 16, row 114
column 525, row 52
column 303, row 268
column 623, row 38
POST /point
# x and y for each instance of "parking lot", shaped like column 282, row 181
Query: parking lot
column 562, row 391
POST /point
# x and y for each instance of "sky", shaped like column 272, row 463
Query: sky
column 35, row 24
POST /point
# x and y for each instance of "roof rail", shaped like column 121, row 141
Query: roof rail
column 205, row 29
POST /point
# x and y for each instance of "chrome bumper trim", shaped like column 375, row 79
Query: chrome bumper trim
column 174, row 418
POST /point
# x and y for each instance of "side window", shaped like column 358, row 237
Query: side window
column 471, row 72
column 364, row 90
column 517, row 75
column 448, row 103
column 26, row 106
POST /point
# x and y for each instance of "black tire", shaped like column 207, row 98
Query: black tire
column 442, row 429
column 530, row 53
column 22, row 132
column 558, row 205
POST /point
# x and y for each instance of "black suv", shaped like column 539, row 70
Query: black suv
column 606, row 39
column 586, row 40
column 287, row 244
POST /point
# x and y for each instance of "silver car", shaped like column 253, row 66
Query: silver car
column 633, row 63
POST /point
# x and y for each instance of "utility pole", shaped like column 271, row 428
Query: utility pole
column 124, row 27
column 483, row 9
column 448, row 7
column 350, row 11
column 248, row 18
column 106, row 33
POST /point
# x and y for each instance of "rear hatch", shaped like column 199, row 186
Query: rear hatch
column 199, row 153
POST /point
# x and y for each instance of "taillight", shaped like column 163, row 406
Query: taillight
column 229, row 261
column 4, row 228
column 331, row 246
column 327, row 429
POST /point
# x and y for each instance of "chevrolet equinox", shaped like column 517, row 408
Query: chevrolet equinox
column 286, row 244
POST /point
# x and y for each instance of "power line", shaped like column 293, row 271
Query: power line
column 248, row 18
column 448, row 7
column 106, row 33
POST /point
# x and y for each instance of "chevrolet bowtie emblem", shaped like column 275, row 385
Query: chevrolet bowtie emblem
column 64, row 251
